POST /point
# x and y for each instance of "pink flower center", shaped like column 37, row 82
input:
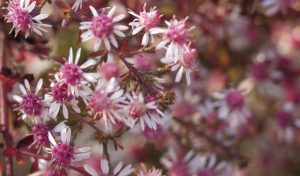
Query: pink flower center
column 150, row 19
column 21, row 19
column 137, row 109
column 177, row 32
column 102, row 26
column 100, row 102
column 235, row 99
column 109, row 70
column 31, row 104
column 40, row 134
column 61, row 93
column 63, row 153
column 71, row 74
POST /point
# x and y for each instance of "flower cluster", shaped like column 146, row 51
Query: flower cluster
column 99, row 91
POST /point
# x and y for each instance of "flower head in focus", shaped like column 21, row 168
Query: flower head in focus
column 75, row 77
column 30, row 103
column 175, row 38
column 20, row 14
column 107, row 101
column 63, row 152
column 103, row 29
column 143, row 110
column 60, row 96
column 145, row 20
column 185, row 65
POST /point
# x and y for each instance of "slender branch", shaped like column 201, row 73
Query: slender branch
column 4, row 113
column 83, row 119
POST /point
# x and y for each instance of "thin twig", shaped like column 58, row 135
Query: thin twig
column 4, row 113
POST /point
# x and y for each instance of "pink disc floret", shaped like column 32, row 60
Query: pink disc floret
column 31, row 104
column 102, row 26
column 71, row 74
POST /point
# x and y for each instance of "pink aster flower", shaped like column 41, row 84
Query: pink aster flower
column 21, row 16
column 145, row 20
column 145, row 111
column 74, row 75
column 63, row 152
column 60, row 96
column 175, row 38
column 30, row 103
column 176, row 163
column 103, row 28
column 106, row 171
column 232, row 108
column 185, row 65
column 106, row 102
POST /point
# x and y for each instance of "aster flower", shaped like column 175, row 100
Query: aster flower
column 60, row 97
column 106, row 102
column 175, row 38
column 184, row 65
column 20, row 14
column 145, row 111
column 30, row 103
column 105, row 170
column 232, row 108
column 145, row 20
column 207, row 165
column 40, row 136
column 185, row 105
column 176, row 164
column 103, row 29
column 74, row 75
column 63, row 152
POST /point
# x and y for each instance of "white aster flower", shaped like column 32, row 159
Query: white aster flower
column 20, row 14
column 103, row 29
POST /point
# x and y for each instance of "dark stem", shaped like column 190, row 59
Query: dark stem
column 8, row 141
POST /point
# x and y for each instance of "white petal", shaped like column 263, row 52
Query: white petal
column 94, row 11
column 107, row 44
column 65, row 112
column 51, row 139
column 118, row 168
column 40, row 16
column 70, row 60
column 78, row 55
column 88, row 63
column 179, row 75
column 90, row 170
column 119, row 33
column 145, row 39
column 126, row 171
column 111, row 11
column 17, row 98
column 104, row 166
column 118, row 18
column 114, row 41
column 39, row 86
column 137, row 30
column 65, row 135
